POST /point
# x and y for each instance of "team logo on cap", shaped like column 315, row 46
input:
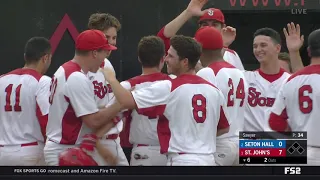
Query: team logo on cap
column 210, row 12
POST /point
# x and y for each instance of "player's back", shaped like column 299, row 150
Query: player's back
column 302, row 99
column 233, row 86
column 191, row 116
column 143, row 129
column 64, row 127
column 19, row 123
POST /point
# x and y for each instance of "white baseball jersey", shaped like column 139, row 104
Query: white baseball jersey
column 298, row 104
column 24, row 106
column 103, row 93
column 263, row 90
column 190, row 110
column 233, row 58
column 143, row 129
column 72, row 96
column 232, row 84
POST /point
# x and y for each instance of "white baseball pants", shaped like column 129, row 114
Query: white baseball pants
column 227, row 152
column 30, row 154
column 190, row 160
column 143, row 155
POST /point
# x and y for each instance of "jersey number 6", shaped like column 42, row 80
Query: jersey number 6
column 305, row 102
column 199, row 105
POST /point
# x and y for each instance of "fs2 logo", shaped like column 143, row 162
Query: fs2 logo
column 292, row 170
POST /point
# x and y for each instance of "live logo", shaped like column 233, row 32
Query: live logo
column 298, row 11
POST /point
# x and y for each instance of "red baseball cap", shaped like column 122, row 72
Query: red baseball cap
column 90, row 40
column 209, row 37
column 213, row 14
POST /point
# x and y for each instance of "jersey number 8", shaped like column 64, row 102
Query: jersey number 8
column 199, row 105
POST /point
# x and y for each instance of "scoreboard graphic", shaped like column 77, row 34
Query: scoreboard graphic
column 273, row 148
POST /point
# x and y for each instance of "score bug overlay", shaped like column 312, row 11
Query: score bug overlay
column 272, row 148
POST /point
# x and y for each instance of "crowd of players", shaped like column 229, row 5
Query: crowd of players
column 190, row 116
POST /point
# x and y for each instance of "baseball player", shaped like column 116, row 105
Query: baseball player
column 103, row 93
column 265, row 82
column 297, row 103
column 25, row 107
column 190, row 109
column 143, row 129
column 232, row 84
column 74, row 111
column 209, row 17
column 110, row 26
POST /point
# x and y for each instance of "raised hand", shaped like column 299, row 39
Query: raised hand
column 294, row 39
column 195, row 7
column 228, row 35
column 108, row 73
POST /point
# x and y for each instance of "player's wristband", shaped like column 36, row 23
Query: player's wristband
column 89, row 142
column 116, row 120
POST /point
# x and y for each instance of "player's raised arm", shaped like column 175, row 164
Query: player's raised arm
column 169, row 30
column 294, row 41
column 193, row 9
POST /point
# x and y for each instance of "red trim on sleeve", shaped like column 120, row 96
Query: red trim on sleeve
column 223, row 121
column 152, row 111
column 308, row 70
column 165, row 39
column 188, row 79
column 218, row 65
column 279, row 122
column 230, row 50
column 116, row 120
column 125, row 133
column 43, row 120
column 22, row 71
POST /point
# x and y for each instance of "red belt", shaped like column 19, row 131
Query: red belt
column 180, row 153
column 139, row 145
column 112, row 136
column 23, row 145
